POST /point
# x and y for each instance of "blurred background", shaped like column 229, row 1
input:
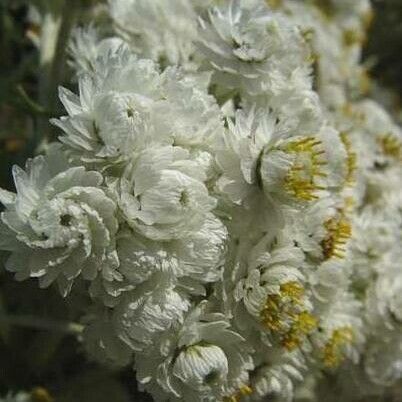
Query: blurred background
column 32, row 353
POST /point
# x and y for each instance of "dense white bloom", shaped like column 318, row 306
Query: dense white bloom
column 339, row 335
column 272, row 291
column 193, row 261
column 376, row 243
column 60, row 224
column 144, row 315
column 86, row 47
column 383, row 362
column 162, row 194
column 277, row 378
column 335, row 32
column 204, row 360
column 248, row 47
column 384, row 299
column 155, row 31
column 264, row 156
column 257, row 257
column 124, row 106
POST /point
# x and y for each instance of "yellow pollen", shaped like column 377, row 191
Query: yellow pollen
column 353, row 37
column 274, row 4
column 245, row 390
column 364, row 82
column 339, row 232
column 304, row 324
column 391, row 146
column 351, row 159
column 300, row 181
column 326, row 7
column 281, row 314
column 350, row 111
column 349, row 205
column 333, row 349
column 293, row 290
column 308, row 35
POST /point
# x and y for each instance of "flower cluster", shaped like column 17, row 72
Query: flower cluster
column 228, row 196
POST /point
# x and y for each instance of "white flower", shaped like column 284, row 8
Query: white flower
column 290, row 168
column 227, row 260
column 336, row 33
column 202, row 254
column 383, row 362
column 277, row 378
column 125, row 105
column 340, row 332
column 273, row 292
column 62, row 221
column 192, row 262
column 205, row 360
column 377, row 139
column 162, row 194
column 301, row 168
column 86, row 47
column 146, row 313
column 375, row 242
column 294, row 98
column 238, row 157
column 247, row 46
column 323, row 230
column 384, row 296
column 157, row 30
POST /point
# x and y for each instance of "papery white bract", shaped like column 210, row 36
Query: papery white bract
column 204, row 360
column 235, row 259
column 63, row 223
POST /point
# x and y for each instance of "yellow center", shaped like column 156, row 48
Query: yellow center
column 349, row 205
column 274, row 4
column 326, row 7
column 243, row 391
column 391, row 146
column 333, row 349
column 301, row 179
column 353, row 37
column 303, row 325
column 339, row 232
column 365, row 82
column 351, row 159
column 281, row 314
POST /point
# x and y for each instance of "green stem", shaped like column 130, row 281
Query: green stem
column 29, row 321
column 69, row 13
column 32, row 106
column 56, row 33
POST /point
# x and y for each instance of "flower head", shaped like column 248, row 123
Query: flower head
column 61, row 223
column 246, row 46
column 162, row 194
column 205, row 360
